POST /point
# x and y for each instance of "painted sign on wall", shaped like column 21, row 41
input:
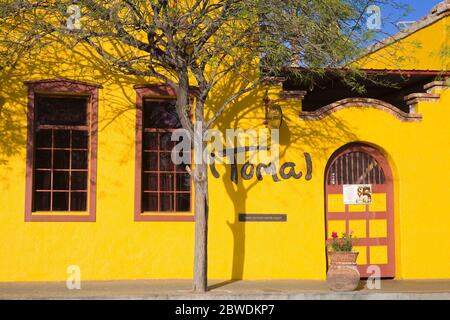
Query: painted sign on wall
column 248, row 171
column 357, row 193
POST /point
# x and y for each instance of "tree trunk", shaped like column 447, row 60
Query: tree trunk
column 201, row 229
column 201, row 202
column 200, row 177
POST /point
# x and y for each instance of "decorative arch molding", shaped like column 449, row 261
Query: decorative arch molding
column 322, row 112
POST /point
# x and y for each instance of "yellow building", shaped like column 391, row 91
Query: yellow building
column 92, row 185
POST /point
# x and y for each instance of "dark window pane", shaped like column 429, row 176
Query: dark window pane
column 166, row 201
column 165, row 142
column 61, row 111
column 166, row 182
column 366, row 167
column 149, row 202
column 150, row 161
column 79, row 139
column 79, row 159
column 355, row 167
column 183, row 182
column 61, row 159
column 344, row 169
column 78, row 201
column 79, row 180
column 60, row 201
column 350, row 168
column 42, row 201
column 183, row 201
column 150, row 182
column 43, row 159
column 61, row 180
column 372, row 171
column 42, row 180
column 377, row 174
column 161, row 114
column 339, row 172
column 61, row 138
column 165, row 162
column 150, row 141
column 360, row 168
column 163, row 178
column 44, row 139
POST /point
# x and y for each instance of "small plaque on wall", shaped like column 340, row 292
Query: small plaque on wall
column 264, row 217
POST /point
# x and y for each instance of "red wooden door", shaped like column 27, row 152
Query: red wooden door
column 372, row 224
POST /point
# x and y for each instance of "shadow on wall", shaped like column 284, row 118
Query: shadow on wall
column 117, row 102
column 116, row 122
column 117, row 98
column 296, row 136
column 12, row 118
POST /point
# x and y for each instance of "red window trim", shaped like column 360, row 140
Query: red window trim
column 62, row 86
column 155, row 91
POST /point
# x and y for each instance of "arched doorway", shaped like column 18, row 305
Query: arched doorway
column 369, row 214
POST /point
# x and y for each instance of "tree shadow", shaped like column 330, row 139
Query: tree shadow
column 296, row 137
column 118, row 101
column 117, row 97
column 117, row 105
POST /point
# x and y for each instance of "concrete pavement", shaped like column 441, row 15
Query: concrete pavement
column 226, row 290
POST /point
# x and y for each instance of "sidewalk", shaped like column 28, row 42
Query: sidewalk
column 226, row 290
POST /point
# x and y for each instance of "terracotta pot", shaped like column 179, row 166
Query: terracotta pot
column 342, row 273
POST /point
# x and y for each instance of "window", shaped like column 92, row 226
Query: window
column 165, row 186
column 61, row 153
column 163, row 189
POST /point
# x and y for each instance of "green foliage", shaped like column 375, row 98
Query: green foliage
column 163, row 38
column 310, row 34
column 345, row 243
column 198, row 43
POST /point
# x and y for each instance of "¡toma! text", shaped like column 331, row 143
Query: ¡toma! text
column 248, row 170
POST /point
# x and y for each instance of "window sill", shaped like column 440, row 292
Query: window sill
column 60, row 216
column 173, row 216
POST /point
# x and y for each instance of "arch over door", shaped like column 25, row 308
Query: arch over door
column 372, row 224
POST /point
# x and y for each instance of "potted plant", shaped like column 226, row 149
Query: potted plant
column 342, row 272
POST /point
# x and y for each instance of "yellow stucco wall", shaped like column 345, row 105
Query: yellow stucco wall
column 116, row 247
column 422, row 50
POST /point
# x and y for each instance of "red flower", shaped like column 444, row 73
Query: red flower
column 334, row 235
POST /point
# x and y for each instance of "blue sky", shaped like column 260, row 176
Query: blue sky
column 421, row 7
column 417, row 9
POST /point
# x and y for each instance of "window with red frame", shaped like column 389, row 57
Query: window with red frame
column 61, row 152
column 166, row 187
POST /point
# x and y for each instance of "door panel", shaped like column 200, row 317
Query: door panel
column 372, row 224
